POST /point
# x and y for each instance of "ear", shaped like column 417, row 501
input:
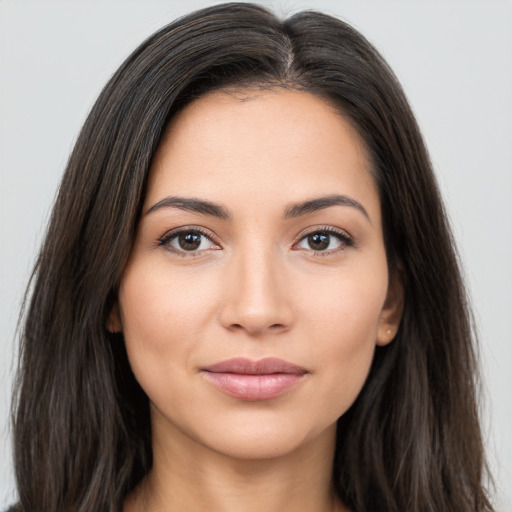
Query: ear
column 114, row 320
column 392, row 310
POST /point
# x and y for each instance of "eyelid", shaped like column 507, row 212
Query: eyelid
column 345, row 238
column 163, row 241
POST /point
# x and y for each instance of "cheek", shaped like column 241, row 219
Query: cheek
column 161, row 321
column 342, row 321
column 155, row 303
column 346, row 306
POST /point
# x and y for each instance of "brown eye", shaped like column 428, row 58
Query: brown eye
column 318, row 241
column 187, row 241
column 325, row 241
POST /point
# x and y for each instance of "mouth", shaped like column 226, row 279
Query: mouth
column 244, row 379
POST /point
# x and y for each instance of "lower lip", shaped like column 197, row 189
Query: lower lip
column 254, row 387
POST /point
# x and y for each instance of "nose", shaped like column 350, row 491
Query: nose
column 256, row 298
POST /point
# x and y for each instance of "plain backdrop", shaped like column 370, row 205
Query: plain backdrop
column 454, row 59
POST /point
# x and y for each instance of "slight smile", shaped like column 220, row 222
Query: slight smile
column 254, row 380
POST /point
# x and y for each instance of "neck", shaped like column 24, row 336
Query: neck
column 188, row 477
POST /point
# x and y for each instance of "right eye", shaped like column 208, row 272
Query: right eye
column 185, row 241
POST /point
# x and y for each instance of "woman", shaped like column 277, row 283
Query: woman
column 248, row 295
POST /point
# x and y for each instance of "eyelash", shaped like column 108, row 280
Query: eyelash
column 166, row 238
column 346, row 240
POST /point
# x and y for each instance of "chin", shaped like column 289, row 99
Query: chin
column 262, row 447
column 269, row 441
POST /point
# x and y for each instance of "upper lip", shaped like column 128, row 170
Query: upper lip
column 265, row 366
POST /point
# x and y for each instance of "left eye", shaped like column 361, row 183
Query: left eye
column 323, row 241
column 188, row 241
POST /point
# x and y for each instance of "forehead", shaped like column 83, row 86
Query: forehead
column 273, row 146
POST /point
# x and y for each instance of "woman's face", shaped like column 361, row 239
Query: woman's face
column 257, row 287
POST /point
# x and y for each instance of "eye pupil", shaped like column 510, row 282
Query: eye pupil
column 318, row 241
column 189, row 241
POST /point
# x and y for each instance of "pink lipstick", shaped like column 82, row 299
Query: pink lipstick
column 254, row 380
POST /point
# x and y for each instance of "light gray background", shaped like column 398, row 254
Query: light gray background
column 454, row 59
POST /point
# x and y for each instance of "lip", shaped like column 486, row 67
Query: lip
column 254, row 380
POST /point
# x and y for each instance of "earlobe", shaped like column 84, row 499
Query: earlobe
column 114, row 320
column 391, row 313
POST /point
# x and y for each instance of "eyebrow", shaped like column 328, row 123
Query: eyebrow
column 191, row 205
column 320, row 203
column 217, row 210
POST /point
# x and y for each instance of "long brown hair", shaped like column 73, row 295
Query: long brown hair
column 411, row 441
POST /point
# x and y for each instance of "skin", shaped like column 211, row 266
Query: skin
column 254, row 288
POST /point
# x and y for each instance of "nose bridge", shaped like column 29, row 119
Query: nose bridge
column 256, row 298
